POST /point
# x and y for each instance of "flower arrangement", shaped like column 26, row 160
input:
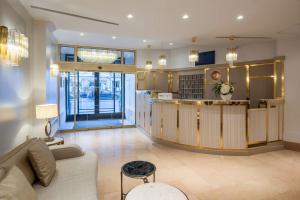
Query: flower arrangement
column 224, row 90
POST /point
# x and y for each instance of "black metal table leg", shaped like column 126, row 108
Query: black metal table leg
column 122, row 186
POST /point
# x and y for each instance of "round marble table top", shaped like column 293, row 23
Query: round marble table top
column 157, row 191
column 138, row 169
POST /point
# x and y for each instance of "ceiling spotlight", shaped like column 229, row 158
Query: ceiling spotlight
column 171, row 43
column 240, row 17
column 129, row 16
column 185, row 16
column 81, row 34
column 114, row 37
column 144, row 41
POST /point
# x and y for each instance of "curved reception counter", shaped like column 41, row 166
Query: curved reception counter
column 210, row 125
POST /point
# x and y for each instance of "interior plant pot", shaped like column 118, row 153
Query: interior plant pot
column 226, row 97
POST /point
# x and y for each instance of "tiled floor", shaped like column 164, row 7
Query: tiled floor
column 273, row 175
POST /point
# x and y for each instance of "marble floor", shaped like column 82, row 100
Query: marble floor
column 273, row 175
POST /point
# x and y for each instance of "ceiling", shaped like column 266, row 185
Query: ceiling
column 159, row 21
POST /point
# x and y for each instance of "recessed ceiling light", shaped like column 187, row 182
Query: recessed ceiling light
column 171, row 43
column 114, row 37
column 144, row 41
column 240, row 17
column 129, row 16
column 81, row 34
column 185, row 16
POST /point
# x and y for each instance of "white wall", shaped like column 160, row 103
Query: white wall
column 22, row 87
column 291, row 49
column 44, row 86
column 15, row 83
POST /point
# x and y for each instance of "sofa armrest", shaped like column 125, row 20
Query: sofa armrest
column 66, row 151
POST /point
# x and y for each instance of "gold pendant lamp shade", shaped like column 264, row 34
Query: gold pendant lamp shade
column 193, row 56
column 148, row 65
column 231, row 55
column 3, row 42
column 162, row 61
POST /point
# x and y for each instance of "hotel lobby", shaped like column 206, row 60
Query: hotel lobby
column 149, row 100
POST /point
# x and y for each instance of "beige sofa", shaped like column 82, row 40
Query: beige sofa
column 75, row 177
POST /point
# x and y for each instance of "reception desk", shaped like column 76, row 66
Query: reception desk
column 209, row 124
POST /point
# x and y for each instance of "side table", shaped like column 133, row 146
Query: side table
column 138, row 170
column 156, row 191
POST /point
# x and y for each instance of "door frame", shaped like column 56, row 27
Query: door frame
column 75, row 128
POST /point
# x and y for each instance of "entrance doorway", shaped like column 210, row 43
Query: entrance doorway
column 96, row 100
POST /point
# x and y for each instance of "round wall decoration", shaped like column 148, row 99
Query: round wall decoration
column 216, row 75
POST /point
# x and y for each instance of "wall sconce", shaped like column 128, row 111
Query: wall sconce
column 3, row 42
column 13, row 46
column 54, row 70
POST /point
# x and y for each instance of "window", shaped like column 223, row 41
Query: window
column 129, row 57
column 67, row 54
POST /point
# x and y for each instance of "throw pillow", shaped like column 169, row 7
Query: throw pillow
column 43, row 162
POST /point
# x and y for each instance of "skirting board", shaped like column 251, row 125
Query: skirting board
column 292, row 146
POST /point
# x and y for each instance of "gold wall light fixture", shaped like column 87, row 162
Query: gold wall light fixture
column 13, row 46
column 193, row 56
column 54, row 70
column 3, row 42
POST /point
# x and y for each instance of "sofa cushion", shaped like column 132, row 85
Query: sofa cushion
column 43, row 162
column 66, row 151
column 15, row 186
column 18, row 156
column 75, row 179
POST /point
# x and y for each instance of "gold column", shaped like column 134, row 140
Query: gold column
column 221, row 127
column 275, row 80
column 161, row 120
column 170, row 82
column 248, row 80
column 267, row 121
column 228, row 75
column 145, row 80
column 282, row 79
column 154, row 78
column 247, row 121
column 198, row 124
column 177, row 129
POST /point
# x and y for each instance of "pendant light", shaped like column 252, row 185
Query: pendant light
column 162, row 61
column 148, row 65
column 231, row 55
column 193, row 56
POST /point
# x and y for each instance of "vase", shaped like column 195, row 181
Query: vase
column 226, row 97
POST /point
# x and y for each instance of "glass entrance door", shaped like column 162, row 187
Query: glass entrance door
column 98, row 99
